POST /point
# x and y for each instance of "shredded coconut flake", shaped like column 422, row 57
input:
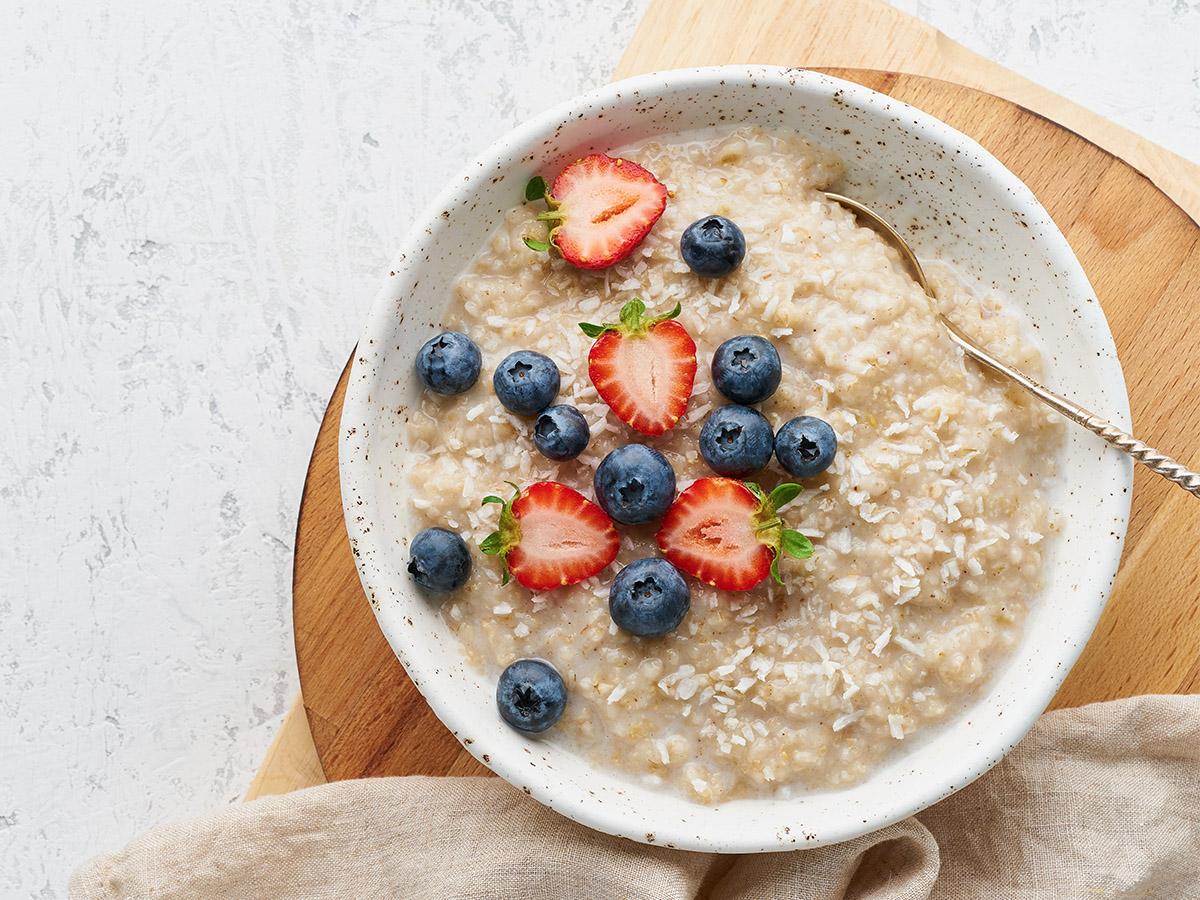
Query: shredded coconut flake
column 882, row 641
column 848, row 719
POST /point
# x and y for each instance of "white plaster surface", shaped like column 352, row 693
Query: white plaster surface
column 196, row 202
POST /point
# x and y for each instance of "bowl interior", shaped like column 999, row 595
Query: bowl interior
column 902, row 162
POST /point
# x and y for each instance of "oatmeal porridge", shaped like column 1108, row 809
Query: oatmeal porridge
column 928, row 528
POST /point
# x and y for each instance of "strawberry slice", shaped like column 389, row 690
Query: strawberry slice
column 602, row 207
column 643, row 367
column 729, row 534
column 551, row 535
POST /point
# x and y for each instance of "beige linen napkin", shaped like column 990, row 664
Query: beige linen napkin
column 1102, row 801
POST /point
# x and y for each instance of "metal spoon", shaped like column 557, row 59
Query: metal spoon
column 1157, row 462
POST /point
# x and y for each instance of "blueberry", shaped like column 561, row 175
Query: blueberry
column 712, row 246
column 439, row 560
column 736, row 440
column 746, row 369
column 649, row 598
column 561, row 432
column 805, row 446
column 531, row 695
column 449, row 363
column 526, row 382
column 635, row 484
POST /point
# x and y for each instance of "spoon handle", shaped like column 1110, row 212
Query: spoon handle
column 1156, row 462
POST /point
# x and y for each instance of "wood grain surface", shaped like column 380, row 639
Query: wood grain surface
column 1142, row 253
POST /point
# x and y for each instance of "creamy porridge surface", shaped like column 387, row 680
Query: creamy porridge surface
column 929, row 528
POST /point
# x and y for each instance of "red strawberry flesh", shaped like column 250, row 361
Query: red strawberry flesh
column 646, row 380
column 605, row 207
column 562, row 537
column 709, row 533
column 643, row 368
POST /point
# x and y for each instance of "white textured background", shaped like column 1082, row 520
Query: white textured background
column 196, row 202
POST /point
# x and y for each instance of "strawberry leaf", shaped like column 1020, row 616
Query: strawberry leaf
column 592, row 331
column 769, row 527
column 796, row 545
column 667, row 316
column 632, row 313
column 508, row 534
column 784, row 494
column 756, row 491
column 535, row 189
column 536, row 245
column 633, row 320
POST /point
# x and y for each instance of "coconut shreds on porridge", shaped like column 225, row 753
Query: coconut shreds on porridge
column 928, row 528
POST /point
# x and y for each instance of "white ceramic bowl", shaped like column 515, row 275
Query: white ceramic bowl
column 1001, row 235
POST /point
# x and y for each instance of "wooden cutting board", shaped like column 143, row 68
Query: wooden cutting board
column 1141, row 251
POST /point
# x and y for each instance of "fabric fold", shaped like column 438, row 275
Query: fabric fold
column 1098, row 801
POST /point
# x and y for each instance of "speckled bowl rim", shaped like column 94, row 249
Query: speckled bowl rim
column 673, row 831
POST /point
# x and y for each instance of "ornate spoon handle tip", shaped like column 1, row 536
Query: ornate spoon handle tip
column 1144, row 453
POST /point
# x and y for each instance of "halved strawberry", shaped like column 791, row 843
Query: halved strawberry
column 643, row 367
column 551, row 535
column 729, row 534
column 603, row 207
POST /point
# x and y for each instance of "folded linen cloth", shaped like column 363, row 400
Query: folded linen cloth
column 1101, row 801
